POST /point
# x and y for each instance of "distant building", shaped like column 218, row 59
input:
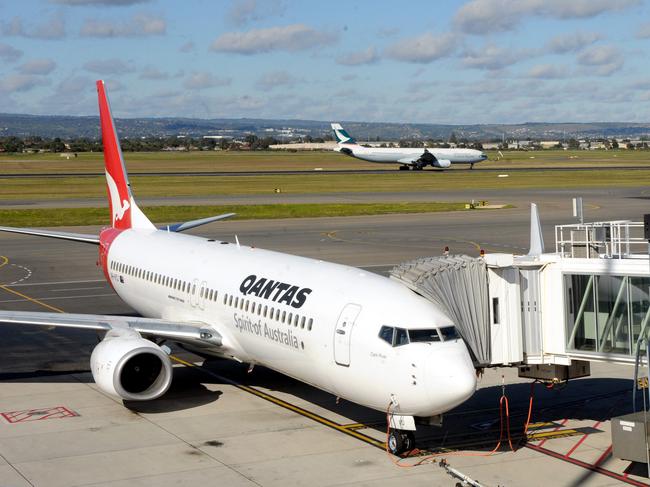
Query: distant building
column 550, row 144
column 305, row 146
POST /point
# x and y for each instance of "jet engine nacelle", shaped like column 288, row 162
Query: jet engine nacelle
column 443, row 163
column 130, row 367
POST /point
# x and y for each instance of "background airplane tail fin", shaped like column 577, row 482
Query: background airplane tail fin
column 342, row 137
column 124, row 211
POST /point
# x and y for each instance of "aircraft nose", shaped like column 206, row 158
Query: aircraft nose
column 483, row 156
column 451, row 374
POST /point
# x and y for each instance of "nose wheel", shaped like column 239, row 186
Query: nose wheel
column 400, row 441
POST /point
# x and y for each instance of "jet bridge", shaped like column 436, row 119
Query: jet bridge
column 547, row 313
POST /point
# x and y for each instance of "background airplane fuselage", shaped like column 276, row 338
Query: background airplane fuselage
column 398, row 155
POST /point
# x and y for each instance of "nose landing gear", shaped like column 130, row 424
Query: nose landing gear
column 400, row 441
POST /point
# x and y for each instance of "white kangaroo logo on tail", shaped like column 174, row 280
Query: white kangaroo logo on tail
column 119, row 208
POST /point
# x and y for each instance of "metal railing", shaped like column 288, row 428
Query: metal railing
column 613, row 240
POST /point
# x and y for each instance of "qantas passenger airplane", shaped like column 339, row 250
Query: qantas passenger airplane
column 415, row 158
column 358, row 335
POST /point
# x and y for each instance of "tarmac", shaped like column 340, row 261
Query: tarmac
column 220, row 425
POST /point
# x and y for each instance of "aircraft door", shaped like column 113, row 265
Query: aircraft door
column 203, row 294
column 343, row 333
column 194, row 293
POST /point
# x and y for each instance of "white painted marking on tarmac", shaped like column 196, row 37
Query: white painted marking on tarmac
column 77, row 289
column 58, row 298
column 53, row 283
column 28, row 274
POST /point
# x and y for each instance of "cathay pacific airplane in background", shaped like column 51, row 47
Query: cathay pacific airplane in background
column 415, row 158
column 358, row 335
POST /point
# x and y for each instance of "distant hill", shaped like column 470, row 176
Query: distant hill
column 68, row 127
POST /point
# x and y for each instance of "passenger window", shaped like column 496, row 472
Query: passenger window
column 284, row 315
column 266, row 308
column 229, row 300
column 236, row 302
column 302, row 322
column 277, row 314
column 386, row 334
column 295, row 320
column 310, row 323
column 289, row 318
column 401, row 337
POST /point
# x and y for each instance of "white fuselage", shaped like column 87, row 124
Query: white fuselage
column 402, row 155
column 325, row 318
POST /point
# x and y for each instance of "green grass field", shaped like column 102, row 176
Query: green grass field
column 17, row 189
column 52, row 217
column 14, row 189
column 281, row 160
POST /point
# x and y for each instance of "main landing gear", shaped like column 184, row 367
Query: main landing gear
column 400, row 441
column 404, row 168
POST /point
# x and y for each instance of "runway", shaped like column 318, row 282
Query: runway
column 216, row 425
column 393, row 168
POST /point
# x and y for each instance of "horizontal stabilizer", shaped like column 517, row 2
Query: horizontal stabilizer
column 77, row 237
column 181, row 332
column 181, row 227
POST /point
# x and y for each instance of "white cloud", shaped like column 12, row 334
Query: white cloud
column 9, row 54
column 139, row 26
column 424, row 48
column 485, row 16
column 601, row 60
column 153, row 73
column 572, row 42
column 547, row 71
column 50, row 29
column 203, row 80
column 275, row 79
column 244, row 11
column 109, row 66
column 293, row 37
column 643, row 32
column 20, row 82
column 37, row 66
column 367, row 56
column 492, row 57
column 187, row 47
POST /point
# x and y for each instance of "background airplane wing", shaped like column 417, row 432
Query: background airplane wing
column 187, row 332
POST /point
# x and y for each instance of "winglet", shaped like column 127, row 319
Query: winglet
column 536, row 237
column 124, row 212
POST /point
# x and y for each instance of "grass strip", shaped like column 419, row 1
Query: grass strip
column 53, row 217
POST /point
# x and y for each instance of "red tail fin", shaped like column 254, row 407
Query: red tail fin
column 124, row 212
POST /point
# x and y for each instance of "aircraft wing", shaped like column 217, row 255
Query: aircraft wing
column 184, row 332
column 77, row 237
column 408, row 160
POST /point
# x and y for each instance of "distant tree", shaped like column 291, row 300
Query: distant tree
column 12, row 144
column 453, row 139
column 614, row 144
column 573, row 144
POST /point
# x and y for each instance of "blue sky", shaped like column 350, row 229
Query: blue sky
column 473, row 61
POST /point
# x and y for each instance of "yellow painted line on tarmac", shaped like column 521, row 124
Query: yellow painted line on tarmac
column 291, row 407
column 548, row 435
column 3, row 261
column 33, row 300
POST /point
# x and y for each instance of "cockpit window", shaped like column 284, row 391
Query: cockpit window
column 401, row 337
column 386, row 334
column 430, row 335
column 449, row 333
